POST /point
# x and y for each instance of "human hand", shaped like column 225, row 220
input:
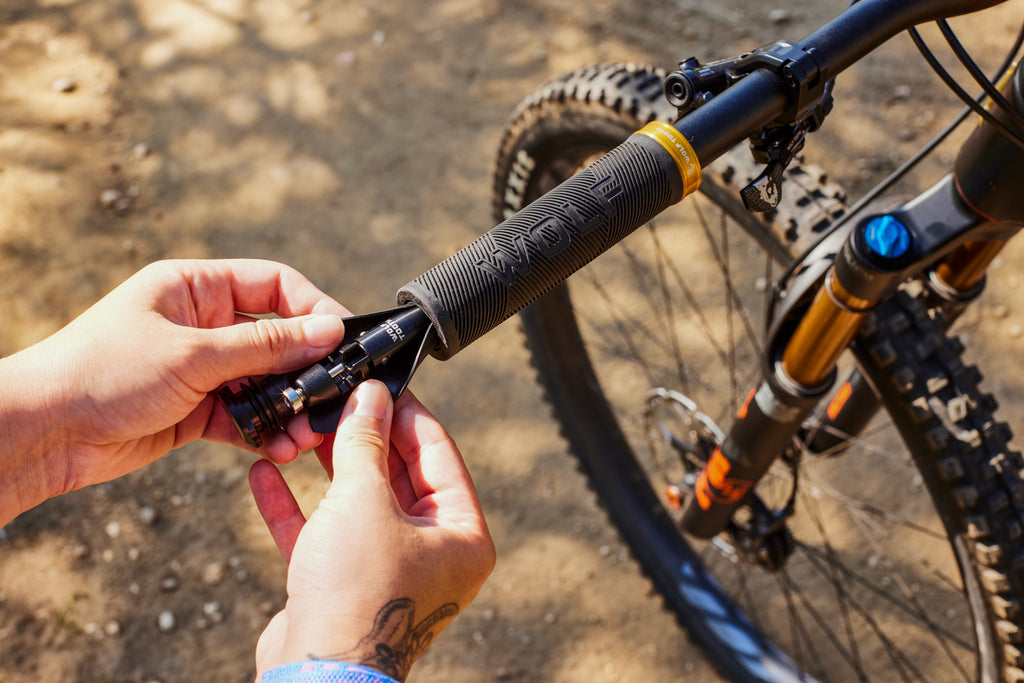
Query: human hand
column 395, row 550
column 130, row 379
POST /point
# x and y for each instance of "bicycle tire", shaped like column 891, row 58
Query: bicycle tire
column 963, row 466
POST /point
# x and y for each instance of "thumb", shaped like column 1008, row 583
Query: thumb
column 364, row 436
column 266, row 346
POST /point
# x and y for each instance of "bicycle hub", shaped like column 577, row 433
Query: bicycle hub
column 387, row 346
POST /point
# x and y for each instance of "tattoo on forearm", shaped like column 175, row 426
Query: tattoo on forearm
column 396, row 640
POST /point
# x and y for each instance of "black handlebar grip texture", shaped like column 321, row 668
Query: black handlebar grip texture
column 527, row 255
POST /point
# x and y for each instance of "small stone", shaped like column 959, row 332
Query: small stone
column 133, row 554
column 134, row 588
column 112, row 628
column 91, row 628
column 780, row 16
column 166, row 621
column 901, row 92
column 80, row 551
column 113, row 529
column 214, row 573
column 147, row 515
column 378, row 37
column 110, row 196
column 550, row 618
column 169, row 583
column 213, row 611
column 64, row 85
column 1000, row 311
column 346, row 58
column 489, row 615
column 1015, row 331
column 307, row 16
column 140, row 150
column 108, row 555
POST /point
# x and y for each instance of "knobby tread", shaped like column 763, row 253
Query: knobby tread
column 964, row 452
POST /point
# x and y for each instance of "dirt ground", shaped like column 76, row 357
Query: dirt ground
column 353, row 140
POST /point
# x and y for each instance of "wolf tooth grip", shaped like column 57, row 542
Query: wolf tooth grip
column 534, row 250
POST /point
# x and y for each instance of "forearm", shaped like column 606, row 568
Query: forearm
column 33, row 445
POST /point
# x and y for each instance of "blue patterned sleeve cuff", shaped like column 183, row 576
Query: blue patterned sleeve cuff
column 323, row 672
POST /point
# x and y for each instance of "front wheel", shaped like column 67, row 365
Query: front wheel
column 901, row 559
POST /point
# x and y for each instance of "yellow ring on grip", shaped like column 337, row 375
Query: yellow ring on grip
column 682, row 152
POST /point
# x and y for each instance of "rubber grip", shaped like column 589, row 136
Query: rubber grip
column 519, row 260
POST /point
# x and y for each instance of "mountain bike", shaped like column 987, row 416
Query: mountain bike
column 759, row 384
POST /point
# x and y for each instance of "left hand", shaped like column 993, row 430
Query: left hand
column 130, row 379
column 396, row 548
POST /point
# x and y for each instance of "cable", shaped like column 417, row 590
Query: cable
column 974, row 104
column 972, row 68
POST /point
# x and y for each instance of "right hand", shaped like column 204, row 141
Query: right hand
column 394, row 551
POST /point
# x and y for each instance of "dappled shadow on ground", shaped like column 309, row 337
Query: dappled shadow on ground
column 354, row 141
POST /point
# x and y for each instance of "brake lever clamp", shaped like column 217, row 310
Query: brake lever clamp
column 810, row 101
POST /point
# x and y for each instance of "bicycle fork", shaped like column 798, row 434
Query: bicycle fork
column 801, row 361
column 960, row 225
column 800, row 371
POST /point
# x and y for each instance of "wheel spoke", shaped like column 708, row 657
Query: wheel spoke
column 871, row 589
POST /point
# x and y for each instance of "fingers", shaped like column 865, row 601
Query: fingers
column 325, row 454
column 265, row 346
column 255, row 287
column 432, row 458
column 363, row 438
column 277, row 506
column 214, row 300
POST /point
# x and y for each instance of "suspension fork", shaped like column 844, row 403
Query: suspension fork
column 986, row 180
column 801, row 370
column 954, row 282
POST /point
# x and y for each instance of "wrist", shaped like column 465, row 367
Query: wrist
column 324, row 672
column 33, row 441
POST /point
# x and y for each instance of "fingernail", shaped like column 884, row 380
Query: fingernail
column 371, row 399
column 323, row 330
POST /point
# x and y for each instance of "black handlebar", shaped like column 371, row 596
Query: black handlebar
column 516, row 262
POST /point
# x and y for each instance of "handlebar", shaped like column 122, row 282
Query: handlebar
column 519, row 260
column 528, row 254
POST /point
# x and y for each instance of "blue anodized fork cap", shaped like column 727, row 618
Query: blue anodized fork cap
column 887, row 237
